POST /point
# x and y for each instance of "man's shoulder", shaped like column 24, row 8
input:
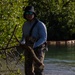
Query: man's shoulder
column 40, row 23
column 26, row 22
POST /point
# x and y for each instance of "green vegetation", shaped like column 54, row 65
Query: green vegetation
column 11, row 14
column 58, row 15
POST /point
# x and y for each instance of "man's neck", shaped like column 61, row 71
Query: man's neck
column 32, row 20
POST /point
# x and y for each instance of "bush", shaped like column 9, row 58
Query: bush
column 10, row 15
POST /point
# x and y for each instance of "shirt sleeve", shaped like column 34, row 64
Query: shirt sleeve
column 42, row 30
column 23, row 38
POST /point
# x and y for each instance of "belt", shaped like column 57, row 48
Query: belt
column 41, row 46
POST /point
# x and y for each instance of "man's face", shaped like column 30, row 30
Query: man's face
column 29, row 15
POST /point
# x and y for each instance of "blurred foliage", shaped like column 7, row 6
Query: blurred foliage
column 11, row 14
column 59, row 17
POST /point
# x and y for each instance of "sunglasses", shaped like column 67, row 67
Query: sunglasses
column 29, row 13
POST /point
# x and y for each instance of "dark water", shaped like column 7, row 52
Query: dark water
column 60, row 60
column 61, row 52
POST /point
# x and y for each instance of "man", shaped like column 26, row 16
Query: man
column 34, row 37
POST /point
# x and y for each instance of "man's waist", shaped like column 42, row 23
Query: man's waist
column 41, row 46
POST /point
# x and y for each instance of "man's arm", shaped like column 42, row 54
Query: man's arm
column 42, row 34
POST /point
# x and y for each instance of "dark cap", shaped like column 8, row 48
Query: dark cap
column 29, row 8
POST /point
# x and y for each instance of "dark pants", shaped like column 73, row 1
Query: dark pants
column 32, row 68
